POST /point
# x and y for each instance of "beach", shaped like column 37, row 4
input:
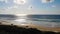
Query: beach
column 39, row 27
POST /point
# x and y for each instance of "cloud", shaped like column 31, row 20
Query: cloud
column 4, row 1
column 20, row 1
column 30, row 7
column 1, row 0
column 47, row 1
column 12, row 7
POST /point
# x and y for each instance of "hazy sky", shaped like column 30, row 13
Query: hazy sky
column 29, row 6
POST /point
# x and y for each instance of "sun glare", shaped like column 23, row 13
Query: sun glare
column 21, row 14
column 20, row 1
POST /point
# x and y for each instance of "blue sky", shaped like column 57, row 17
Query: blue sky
column 29, row 6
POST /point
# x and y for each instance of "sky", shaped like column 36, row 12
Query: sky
column 29, row 6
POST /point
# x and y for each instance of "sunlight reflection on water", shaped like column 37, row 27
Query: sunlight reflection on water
column 20, row 20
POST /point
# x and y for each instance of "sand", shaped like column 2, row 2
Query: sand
column 54, row 29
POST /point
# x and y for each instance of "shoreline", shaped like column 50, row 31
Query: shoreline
column 42, row 28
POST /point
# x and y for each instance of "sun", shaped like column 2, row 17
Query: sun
column 20, row 1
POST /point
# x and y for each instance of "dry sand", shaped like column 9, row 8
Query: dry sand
column 55, row 29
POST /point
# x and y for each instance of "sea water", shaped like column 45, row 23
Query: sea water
column 43, row 20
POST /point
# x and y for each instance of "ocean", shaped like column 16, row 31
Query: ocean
column 43, row 20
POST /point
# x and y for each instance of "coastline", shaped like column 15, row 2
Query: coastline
column 42, row 28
